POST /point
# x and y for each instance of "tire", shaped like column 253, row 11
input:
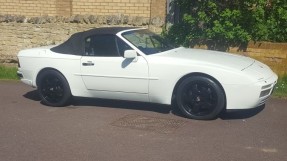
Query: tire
column 53, row 88
column 200, row 98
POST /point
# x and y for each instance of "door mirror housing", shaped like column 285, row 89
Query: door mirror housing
column 131, row 54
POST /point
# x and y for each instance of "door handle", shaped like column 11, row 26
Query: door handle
column 88, row 64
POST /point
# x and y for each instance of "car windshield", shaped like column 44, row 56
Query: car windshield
column 148, row 42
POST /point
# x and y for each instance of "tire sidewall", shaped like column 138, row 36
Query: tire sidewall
column 219, row 92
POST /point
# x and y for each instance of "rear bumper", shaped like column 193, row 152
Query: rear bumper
column 23, row 79
column 19, row 74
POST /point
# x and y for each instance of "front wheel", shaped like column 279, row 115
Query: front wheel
column 200, row 97
column 53, row 88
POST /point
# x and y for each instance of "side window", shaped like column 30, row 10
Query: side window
column 122, row 46
column 101, row 46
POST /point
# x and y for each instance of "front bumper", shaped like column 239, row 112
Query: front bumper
column 266, row 92
column 250, row 96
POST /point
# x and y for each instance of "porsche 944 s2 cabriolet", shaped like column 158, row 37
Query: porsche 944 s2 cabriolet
column 135, row 64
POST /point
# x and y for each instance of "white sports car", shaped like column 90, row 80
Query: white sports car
column 134, row 64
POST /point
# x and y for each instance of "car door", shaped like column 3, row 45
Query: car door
column 103, row 67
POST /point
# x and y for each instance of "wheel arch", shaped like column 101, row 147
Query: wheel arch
column 47, row 69
column 196, row 74
column 65, row 91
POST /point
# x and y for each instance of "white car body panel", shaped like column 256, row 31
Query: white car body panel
column 116, row 76
column 235, row 87
column 116, row 70
column 152, row 78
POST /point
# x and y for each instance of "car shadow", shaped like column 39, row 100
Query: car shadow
column 159, row 108
column 241, row 114
column 32, row 95
column 79, row 101
column 227, row 115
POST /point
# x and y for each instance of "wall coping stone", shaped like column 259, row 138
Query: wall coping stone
column 119, row 19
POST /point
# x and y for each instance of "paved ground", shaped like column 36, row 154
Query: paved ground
column 104, row 130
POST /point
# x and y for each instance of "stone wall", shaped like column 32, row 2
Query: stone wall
column 31, row 8
column 28, row 23
column 272, row 54
column 17, row 36
column 20, row 32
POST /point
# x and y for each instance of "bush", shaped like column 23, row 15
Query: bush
column 221, row 24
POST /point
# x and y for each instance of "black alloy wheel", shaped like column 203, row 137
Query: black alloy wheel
column 53, row 88
column 200, row 97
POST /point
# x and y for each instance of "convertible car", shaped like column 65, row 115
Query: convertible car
column 135, row 64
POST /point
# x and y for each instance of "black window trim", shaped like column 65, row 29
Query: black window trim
column 96, row 35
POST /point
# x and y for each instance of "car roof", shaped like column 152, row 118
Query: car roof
column 107, row 30
column 75, row 44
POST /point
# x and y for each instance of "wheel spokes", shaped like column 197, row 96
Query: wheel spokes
column 199, row 99
column 52, row 89
column 195, row 90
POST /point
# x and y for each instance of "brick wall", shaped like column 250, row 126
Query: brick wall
column 35, row 7
column 30, row 8
column 111, row 7
column 63, row 7
column 158, row 8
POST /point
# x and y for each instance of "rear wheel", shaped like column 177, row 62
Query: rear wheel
column 53, row 88
column 200, row 97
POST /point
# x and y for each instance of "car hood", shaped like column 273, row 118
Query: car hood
column 209, row 57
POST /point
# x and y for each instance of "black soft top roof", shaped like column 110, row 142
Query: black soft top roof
column 75, row 44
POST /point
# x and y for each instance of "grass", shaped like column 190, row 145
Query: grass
column 8, row 73
column 281, row 87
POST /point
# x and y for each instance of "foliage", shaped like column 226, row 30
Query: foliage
column 281, row 87
column 268, row 20
column 8, row 73
column 221, row 24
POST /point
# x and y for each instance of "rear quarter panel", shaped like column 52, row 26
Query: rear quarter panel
column 34, row 61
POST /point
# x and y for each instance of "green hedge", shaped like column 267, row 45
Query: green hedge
column 221, row 24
